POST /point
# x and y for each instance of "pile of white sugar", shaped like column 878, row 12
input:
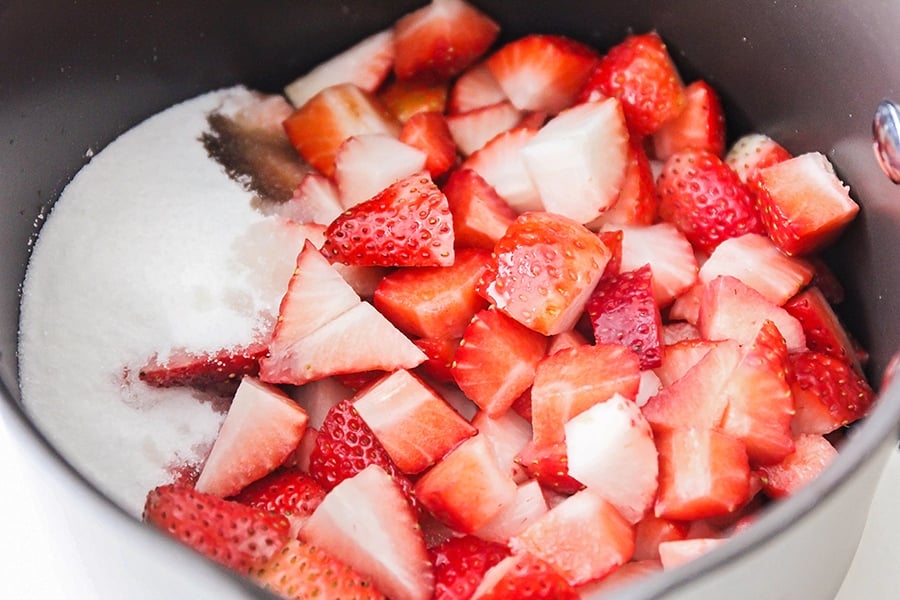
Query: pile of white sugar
column 150, row 248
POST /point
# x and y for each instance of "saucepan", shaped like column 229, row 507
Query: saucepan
column 810, row 74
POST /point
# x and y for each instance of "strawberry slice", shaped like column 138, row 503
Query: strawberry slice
column 812, row 454
column 822, row 327
column 440, row 353
column 508, row 434
column 218, row 373
column 622, row 311
column 300, row 571
column 237, row 536
column 408, row 224
column 705, row 199
column 528, row 506
column 429, row 132
column 667, row 251
column 366, row 64
column 287, row 491
column 828, row 392
column 319, row 127
column 480, row 215
column 544, row 270
column 501, row 165
column 640, row 73
column 473, row 129
column 474, row 88
column 441, row 39
column 407, row 97
column 315, row 200
column 366, row 164
column 367, row 523
column 542, row 72
column 700, row 126
column 549, row 465
column 460, row 564
column 524, row 576
column 680, row 356
column 636, row 203
column 262, row 428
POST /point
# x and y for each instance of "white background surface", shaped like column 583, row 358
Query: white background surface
column 55, row 550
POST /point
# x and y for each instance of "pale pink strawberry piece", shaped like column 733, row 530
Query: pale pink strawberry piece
column 729, row 309
column 218, row 372
column 524, row 576
column 503, row 168
column 405, row 98
column 365, row 64
column 823, row 328
column 480, row 215
column 679, row 357
column 415, row 426
column 700, row 125
column 528, row 506
column 702, row 473
column 686, row 307
column 315, row 200
column 583, row 538
column 428, row 131
column 467, row 488
column 651, row 531
column 366, row 523
column 549, row 465
column 674, row 553
column 366, row 164
column 637, row 203
column 611, row 451
column 679, row 331
column 626, row 575
column 805, row 206
column 566, row 339
column 542, row 72
column 473, row 129
column 508, row 434
column 318, row 397
column 649, row 386
column 300, row 459
column 262, row 428
column 812, row 454
column 475, row 88
column 578, row 160
column 571, row 381
column 753, row 152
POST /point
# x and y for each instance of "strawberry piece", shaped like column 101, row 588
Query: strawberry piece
column 315, row 200
column 441, row 39
column 317, row 398
column 524, row 576
column 367, row 523
column 622, row 311
column 610, row 449
column 544, row 270
column 825, row 279
column 651, row 531
column 319, row 127
column 702, row 473
column 828, row 392
column 667, row 251
column 495, row 360
column 434, row 302
column 805, row 206
column 366, row 65
column 812, row 454
column 408, row 224
column 636, row 203
column 705, row 199
column 583, row 537
column 700, row 126
column 286, row 491
column 415, row 425
column 300, row 571
column 508, row 434
column 549, row 464
column 679, row 331
column 467, row 488
column 366, row 164
column 528, row 506
column 542, row 72
column 407, row 97
column 571, row 381
column 627, row 574
column 236, row 536
column 480, row 215
column 429, row 132
column 680, row 356
column 474, row 88
column 640, row 73
column 460, row 564
column 674, row 553
column 503, row 168
column 823, row 329
column 262, row 428
column 613, row 239
column 566, row 339
column 752, row 153
column 440, row 353
column 578, row 160
column 218, row 373
column 473, row 129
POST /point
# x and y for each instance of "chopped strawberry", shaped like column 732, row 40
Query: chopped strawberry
column 679, row 331
column 287, row 491
column 319, row 127
column 480, row 215
column 805, row 206
column 822, row 327
column 705, row 199
column 636, row 203
column 315, row 200
column 567, row 339
column 614, row 240
column 317, row 397
column 825, row 279
column 366, row 65
column 407, row 97
column 680, row 356
column 503, row 168
column 640, row 73
column 524, row 576
column 622, row 311
column 495, row 360
column 474, row 88
column 528, row 506
column 441, row 39
column 440, row 353
column 668, row 253
column 549, row 464
column 220, row 372
column 262, row 428
column 673, row 553
column 473, row 129
column 366, row 164
column 367, row 523
column 828, row 393
column 812, row 454
column 407, row 224
column 752, row 153
column 700, row 126
column 434, row 302
column 651, row 531
column 237, row 536
column 626, row 575
column 300, row 571
column 544, row 270
column 508, row 434
column 428, row 131
column 460, row 564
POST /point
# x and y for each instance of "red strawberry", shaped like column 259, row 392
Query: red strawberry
column 428, row 131
column 549, row 464
column 220, row 372
column 823, row 329
column 614, row 240
column 300, row 571
column 701, row 125
column 673, row 553
column 652, row 531
column 460, row 564
column 828, row 393
column 508, row 434
column 705, row 199
column 640, row 73
column 473, row 129
column 524, row 576
column 441, row 39
column 622, row 311
column 542, row 72
column 544, row 270
column 407, row 224
column 500, row 164
column 287, row 491
column 474, row 88
column 237, row 536
column 680, row 356
column 753, row 152
column 667, row 251
column 811, row 455
column 480, row 215
column 407, row 97
column 440, row 353
column 636, row 203
column 366, row 164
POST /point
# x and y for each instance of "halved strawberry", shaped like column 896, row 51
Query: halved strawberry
column 220, row 372
column 549, row 465
column 701, row 125
column 480, row 215
column 237, row 536
column 474, row 88
column 543, row 272
column 636, row 203
column 524, row 576
column 441, row 39
column 428, row 131
column 262, row 428
column 367, row 164
column 812, row 454
column 473, row 129
column 405, row 98
column 828, row 393
column 823, row 328
column 502, row 167
column 460, row 564
column 287, row 491
column 315, row 200
column 407, row 224
column 640, row 73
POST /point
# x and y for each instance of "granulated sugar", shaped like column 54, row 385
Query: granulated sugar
column 151, row 247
